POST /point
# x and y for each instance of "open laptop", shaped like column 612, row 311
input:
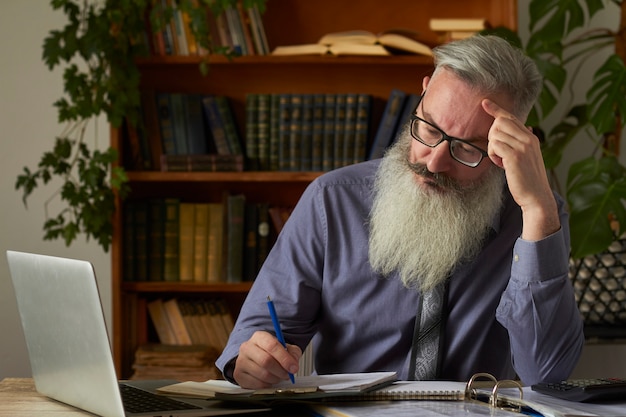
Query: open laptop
column 68, row 344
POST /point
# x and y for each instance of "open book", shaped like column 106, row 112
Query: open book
column 304, row 388
column 361, row 42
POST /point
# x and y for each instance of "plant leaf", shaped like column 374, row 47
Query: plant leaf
column 596, row 193
column 607, row 97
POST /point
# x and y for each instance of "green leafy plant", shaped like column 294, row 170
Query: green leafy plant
column 561, row 41
column 98, row 48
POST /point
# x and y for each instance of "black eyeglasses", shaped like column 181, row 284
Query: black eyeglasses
column 431, row 136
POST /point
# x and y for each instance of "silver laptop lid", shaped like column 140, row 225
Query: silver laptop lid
column 65, row 331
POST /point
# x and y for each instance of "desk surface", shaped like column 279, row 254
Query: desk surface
column 18, row 398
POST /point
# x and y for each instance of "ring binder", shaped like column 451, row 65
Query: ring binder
column 477, row 390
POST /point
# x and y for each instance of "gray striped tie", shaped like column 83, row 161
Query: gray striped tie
column 427, row 333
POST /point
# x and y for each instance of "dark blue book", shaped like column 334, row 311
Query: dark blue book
column 166, row 123
column 361, row 129
column 306, row 133
column 328, row 140
column 388, row 123
column 349, row 130
column 197, row 137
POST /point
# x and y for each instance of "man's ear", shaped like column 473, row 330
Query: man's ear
column 425, row 82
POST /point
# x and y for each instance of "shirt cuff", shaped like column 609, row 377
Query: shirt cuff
column 541, row 260
column 229, row 370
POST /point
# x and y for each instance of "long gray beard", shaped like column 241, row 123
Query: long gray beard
column 422, row 233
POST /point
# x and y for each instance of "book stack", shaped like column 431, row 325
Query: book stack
column 306, row 132
column 157, row 361
column 449, row 30
column 169, row 240
column 237, row 30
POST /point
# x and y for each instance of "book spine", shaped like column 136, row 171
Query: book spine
column 284, row 131
column 328, row 144
column 361, row 131
column 295, row 132
column 349, row 131
column 215, row 242
column 340, row 130
column 317, row 135
column 235, row 206
column 159, row 319
column 141, row 225
column 216, row 126
column 166, row 123
column 306, row 133
column 150, row 115
column 201, row 235
column 274, row 134
column 175, row 317
column 263, row 234
column 252, row 132
column 387, row 125
column 179, row 123
column 263, row 126
column 171, row 261
column 230, row 128
column 186, row 241
column 250, row 242
column 197, row 141
column 156, row 250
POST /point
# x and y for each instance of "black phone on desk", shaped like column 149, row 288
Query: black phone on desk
column 588, row 390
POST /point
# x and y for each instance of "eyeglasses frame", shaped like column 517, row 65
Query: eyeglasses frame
column 444, row 137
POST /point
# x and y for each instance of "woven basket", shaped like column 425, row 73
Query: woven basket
column 600, row 290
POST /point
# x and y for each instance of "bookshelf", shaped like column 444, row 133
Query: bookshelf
column 286, row 22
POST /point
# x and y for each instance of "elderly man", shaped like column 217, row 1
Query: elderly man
column 457, row 218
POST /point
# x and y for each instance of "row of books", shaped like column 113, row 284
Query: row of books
column 169, row 240
column 182, row 321
column 177, row 362
column 306, row 132
column 283, row 132
column 238, row 29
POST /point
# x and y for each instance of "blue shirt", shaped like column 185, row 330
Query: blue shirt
column 510, row 311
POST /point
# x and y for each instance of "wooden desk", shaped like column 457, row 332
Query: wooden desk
column 18, row 398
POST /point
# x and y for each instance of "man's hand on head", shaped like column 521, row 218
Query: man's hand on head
column 263, row 361
column 514, row 148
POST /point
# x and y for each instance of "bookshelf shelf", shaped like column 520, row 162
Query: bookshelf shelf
column 286, row 22
column 266, row 177
column 218, row 60
column 184, row 287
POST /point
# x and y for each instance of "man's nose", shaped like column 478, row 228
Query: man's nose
column 439, row 158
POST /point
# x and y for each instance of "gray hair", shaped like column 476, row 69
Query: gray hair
column 493, row 65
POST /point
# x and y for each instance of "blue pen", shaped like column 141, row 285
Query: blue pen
column 279, row 332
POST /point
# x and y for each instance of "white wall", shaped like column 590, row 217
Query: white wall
column 28, row 124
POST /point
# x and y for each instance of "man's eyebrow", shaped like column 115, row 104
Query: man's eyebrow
column 428, row 117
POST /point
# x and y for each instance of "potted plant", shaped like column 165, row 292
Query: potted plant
column 98, row 48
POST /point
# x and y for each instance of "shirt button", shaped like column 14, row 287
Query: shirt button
column 516, row 257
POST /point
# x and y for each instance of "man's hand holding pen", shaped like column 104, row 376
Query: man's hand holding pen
column 263, row 361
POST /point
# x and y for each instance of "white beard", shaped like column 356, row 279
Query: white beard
column 423, row 233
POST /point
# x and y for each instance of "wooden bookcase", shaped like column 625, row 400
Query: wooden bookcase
column 286, row 22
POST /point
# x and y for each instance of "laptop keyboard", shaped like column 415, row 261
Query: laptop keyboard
column 136, row 400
